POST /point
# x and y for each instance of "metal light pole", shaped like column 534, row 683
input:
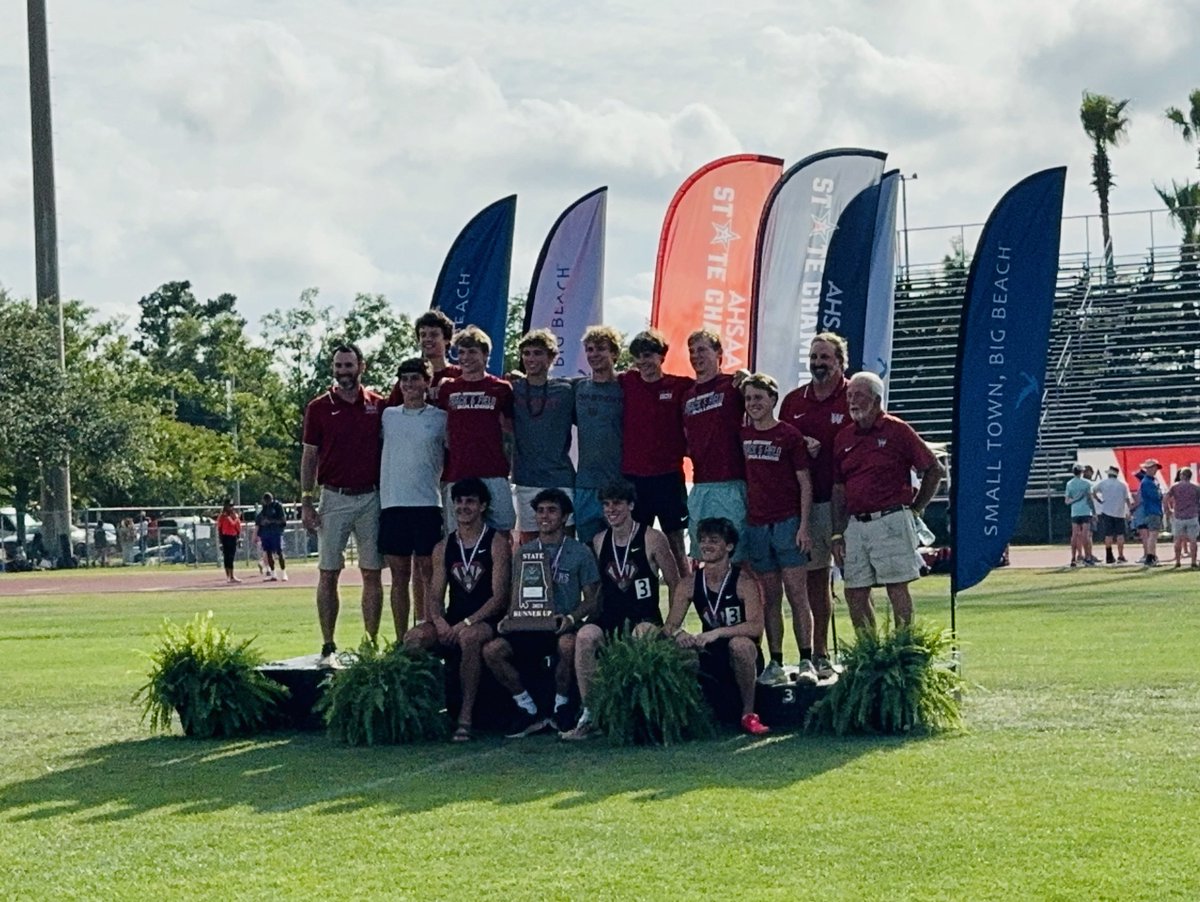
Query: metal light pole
column 904, row 180
column 56, row 490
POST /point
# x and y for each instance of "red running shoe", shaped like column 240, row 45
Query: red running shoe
column 752, row 725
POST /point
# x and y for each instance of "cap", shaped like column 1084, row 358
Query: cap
column 1146, row 465
column 1113, row 471
column 1077, row 469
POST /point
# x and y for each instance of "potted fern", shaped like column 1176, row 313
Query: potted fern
column 646, row 692
column 386, row 697
column 201, row 674
column 895, row 681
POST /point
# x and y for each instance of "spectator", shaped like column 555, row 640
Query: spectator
column 271, row 522
column 1183, row 503
column 1112, row 504
column 1150, row 510
column 229, row 530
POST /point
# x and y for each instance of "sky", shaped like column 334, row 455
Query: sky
column 261, row 148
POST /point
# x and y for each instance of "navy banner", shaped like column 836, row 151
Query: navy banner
column 1001, row 369
column 472, row 288
column 876, row 345
column 845, row 281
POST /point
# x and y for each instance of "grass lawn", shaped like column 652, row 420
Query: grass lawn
column 1078, row 776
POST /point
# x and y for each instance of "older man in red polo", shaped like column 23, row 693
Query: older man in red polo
column 874, row 538
column 342, row 446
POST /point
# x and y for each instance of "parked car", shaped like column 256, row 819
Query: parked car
column 81, row 536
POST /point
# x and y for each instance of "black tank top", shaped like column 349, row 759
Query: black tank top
column 628, row 582
column 468, row 574
column 719, row 607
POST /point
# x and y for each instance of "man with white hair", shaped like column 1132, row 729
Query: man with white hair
column 1112, row 505
column 874, row 537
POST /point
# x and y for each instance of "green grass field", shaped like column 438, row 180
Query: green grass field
column 1078, row 776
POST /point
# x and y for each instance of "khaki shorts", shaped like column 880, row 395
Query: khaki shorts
column 820, row 527
column 341, row 516
column 1186, row 529
column 523, row 496
column 881, row 552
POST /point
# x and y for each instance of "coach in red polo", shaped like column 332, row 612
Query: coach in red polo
column 874, row 538
column 342, row 444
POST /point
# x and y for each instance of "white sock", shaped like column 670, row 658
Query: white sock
column 525, row 700
column 559, row 701
column 585, row 715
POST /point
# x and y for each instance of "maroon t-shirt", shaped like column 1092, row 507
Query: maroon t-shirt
column 652, row 424
column 773, row 456
column 822, row 420
column 475, row 411
column 875, row 464
column 712, row 418
column 347, row 437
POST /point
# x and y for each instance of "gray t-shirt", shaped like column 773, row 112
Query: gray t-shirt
column 542, row 417
column 414, row 449
column 598, row 407
column 572, row 566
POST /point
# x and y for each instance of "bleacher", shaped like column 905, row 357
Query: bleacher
column 1123, row 362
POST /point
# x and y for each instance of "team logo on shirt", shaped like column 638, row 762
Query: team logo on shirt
column 702, row 403
column 761, row 449
column 621, row 576
column 666, row 395
column 466, row 576
column 369, row 406
column 836, row 418
column 472, row 400
column 881, row 442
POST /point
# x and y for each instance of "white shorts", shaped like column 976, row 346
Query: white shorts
column 523, row 496
column 881, row 552
column 341, row 516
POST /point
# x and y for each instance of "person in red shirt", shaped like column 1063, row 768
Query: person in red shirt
column 779, row 491
column 818, row 409
column 653, row 441
column 479, row 408
column 712, row 423
column 229, row 531
column 875, row 539
column 342, row 446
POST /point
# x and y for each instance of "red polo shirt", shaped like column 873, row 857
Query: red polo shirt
column 822, row 420
column 476, row 410
column 712, row 418
column 347, row 437
column 875, row 464
column 652, row 424
column 773, row 457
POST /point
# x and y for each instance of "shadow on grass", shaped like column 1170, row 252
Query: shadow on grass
column 307, row 772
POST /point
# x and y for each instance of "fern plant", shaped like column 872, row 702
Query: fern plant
column 895, row 681
column 210, row 681
column 645, row 692
column 386, row 697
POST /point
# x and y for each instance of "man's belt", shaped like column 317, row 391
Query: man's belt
column 875, row 515
column 363, row 490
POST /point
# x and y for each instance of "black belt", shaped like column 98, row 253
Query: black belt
column 365, row 490
column 875, row 515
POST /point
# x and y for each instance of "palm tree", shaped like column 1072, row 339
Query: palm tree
column 1189, row 125
column 1183, row 205
column 1104, row 122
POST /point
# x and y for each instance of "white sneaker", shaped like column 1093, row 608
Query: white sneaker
column 773, row 675
column 808, row 674
column 826, row 669
column 283, row 575
column 269, row 576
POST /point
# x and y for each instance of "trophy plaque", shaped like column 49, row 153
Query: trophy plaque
column 533, row 606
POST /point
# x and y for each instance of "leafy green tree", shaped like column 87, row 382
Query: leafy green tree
column 1183, row 206
column 1105, row 122
column 1189, row 124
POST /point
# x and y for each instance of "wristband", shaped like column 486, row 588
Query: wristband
column 467, row 621
column 836, row 536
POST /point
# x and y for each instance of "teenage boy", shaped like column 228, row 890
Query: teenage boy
column 599, row 406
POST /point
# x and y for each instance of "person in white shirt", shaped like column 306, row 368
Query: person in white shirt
column 1112, row 499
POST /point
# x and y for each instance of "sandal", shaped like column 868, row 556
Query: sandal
column 462, row 734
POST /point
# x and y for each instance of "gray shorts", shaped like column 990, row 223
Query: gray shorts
column 881, row 552
column 773, row 547
column 341, row 517
column 820, row 527
column 1186, row 529
column 523, row 502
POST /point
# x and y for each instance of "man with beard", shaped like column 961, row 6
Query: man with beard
column 342, row 453
column 874, row 538
column 654, row 444
column 632, row 556
column 474, row 563
column 819, row 411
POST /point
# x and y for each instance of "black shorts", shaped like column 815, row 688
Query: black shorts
column 664, row 497
column 530, row 647
column 1079, row 521
column 715, row 664
column 1112, row 526
column 409, row 530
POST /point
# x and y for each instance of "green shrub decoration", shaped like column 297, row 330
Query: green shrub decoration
column 646, row 692
column 895, row 681
column 386, row 697
column 210, row 681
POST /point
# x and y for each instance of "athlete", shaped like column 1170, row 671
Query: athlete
column 728, row 601
column 599, row 405
column 632, row 556
column 474, row 562
column 777, row 537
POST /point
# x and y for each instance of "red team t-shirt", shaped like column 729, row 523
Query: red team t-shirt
column 347, row 437
column 452, row 371
column 712, row 417
column 822, row 420
column 772, row 458
column 875, row 463
column 652, row 424
column 475, row 410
